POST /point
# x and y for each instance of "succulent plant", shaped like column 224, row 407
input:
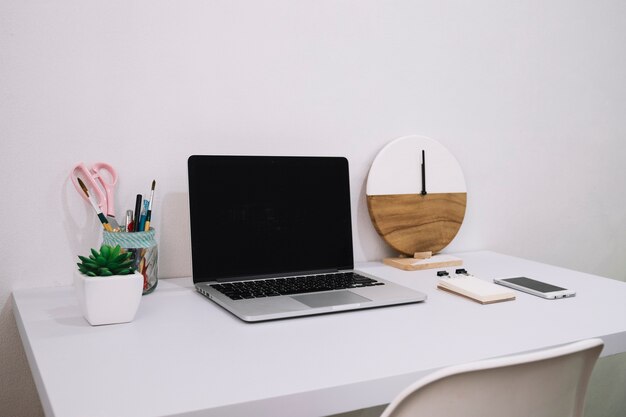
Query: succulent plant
column 109, row 261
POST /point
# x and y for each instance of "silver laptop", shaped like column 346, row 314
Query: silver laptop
column 271, row 237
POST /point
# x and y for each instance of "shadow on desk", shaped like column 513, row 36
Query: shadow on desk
column 365, row 412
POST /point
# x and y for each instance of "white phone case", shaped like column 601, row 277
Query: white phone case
column 551, row 295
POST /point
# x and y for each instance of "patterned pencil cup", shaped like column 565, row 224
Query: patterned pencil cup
column 144, row 253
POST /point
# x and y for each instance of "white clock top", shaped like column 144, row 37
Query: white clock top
column 397, row 168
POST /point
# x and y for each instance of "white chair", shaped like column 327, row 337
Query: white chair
column 547, row 383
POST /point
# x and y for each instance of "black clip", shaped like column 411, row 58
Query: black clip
column 461, row 271
column 442, row 273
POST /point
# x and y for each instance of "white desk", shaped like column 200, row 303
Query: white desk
column 185, row 356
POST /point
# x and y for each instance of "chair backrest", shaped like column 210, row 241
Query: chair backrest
column 547, row 383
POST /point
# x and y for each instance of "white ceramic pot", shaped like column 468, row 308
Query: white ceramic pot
column 108, row 300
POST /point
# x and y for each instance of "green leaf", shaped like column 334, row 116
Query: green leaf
column 101, row 260
column 124, row 270
column 94, row 253
column 122, row 257
column 105, row 251
column 126, row 264
column 105, row 272
column 91, row 265
column 115, row 252
column 90, row 274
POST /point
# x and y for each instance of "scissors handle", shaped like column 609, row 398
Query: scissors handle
column 96, row 183
column 107, row 182
column 82, row 172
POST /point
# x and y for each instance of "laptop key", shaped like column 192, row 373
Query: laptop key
column 298, row 285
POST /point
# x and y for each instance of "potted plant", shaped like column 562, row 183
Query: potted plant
column 107, row 286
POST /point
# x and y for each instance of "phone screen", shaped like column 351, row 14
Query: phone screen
column 534, row 284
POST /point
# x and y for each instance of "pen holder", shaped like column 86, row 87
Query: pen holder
column 144, row 253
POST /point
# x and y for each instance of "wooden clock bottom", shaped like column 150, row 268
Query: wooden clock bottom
column 412, row 223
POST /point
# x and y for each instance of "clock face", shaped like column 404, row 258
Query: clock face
column 416, row 195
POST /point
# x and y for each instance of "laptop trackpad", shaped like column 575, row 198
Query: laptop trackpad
column 326, row 299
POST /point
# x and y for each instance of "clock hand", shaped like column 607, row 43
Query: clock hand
column 423, row 173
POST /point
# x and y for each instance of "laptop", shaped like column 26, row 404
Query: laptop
column 271, row 238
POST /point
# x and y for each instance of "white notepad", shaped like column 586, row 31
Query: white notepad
column 476, row 289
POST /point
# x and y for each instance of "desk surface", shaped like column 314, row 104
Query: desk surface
column 185, row 356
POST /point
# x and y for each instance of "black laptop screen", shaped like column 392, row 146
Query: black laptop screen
column 256, row 216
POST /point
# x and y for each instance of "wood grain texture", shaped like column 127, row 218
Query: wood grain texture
column 408, row 264
column 412, row 223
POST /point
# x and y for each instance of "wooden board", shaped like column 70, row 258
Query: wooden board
column 416, row 209
column 412, row 264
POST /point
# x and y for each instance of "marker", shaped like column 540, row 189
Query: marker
column 137, row 212
column 103, row 219
column 149, row 214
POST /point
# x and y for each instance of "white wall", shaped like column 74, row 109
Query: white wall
column 529, row 95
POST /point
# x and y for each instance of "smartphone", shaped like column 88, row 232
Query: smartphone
column 534, row 287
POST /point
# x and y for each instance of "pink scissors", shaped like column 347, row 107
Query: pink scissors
column 101, row 180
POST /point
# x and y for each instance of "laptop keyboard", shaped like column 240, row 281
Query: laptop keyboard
column 297, row 285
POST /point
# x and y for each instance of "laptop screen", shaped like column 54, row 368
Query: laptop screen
column 261, row 216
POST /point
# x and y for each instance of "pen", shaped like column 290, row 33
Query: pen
column 149, row 214
column 137, row 212
column 142, row 219
column 103, row 219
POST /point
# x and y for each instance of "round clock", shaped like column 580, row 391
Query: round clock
column 416, row 195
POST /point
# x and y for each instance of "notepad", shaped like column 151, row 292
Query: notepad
column 476, row 289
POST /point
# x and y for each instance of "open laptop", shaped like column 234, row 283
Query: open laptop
column 271, row 237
